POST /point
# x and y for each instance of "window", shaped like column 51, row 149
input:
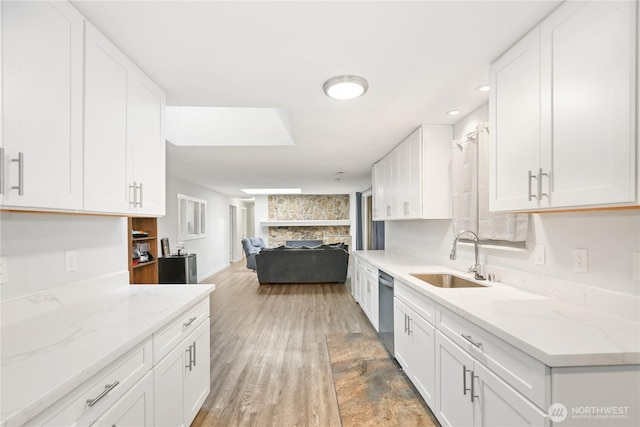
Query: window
column 192, row 215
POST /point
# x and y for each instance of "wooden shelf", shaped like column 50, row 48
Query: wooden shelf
column 144, row 272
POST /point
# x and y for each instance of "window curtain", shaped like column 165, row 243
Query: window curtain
column 470, row 193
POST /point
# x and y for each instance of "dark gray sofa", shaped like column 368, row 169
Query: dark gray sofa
column 322, row 264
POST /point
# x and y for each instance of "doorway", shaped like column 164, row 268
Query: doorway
column 233, row 233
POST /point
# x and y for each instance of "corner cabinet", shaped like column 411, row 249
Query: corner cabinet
column 563, row 112
column 124, row 133
column 412, row 181
column 42, row 105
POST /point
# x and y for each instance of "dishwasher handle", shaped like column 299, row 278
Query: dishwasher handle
column 385, row 282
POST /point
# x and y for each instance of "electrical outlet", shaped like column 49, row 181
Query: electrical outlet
column 635, row 267
column 540, row 255
column 580, row 260
column 4, row 270
column 70, row 261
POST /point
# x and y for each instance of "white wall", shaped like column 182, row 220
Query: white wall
column 213, row 251
column 610, row 237
column 34, row 245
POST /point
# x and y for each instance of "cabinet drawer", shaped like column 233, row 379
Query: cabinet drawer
column 422, row 305
column 371, row 270
column 524, row 373
column 169, row 336
column 360, row 262
column 119, row 377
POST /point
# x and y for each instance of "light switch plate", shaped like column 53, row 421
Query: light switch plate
column 540, row 256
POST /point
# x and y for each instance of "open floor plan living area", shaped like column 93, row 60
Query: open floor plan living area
column 229, row 213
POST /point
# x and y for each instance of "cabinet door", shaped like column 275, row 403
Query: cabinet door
column 135, row 408
column 168, row 376
column 453, row 376
column 422, row 373
column 514, row 114
column 589, row 100
column 42, row 61
column 401, row 340
column 147, row 144
column 197, row 373
column 498, row 405
column 105, row 130
column 377, row 192
column 408, row 177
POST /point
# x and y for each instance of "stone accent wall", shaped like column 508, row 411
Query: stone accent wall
column 309, row 207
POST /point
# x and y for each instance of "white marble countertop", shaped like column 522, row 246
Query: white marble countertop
column 46, row 356
column 557, row 333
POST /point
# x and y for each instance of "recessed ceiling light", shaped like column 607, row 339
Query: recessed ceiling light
column 483, row 88
column 263, row 191
column 453, row 112
column 345, row 87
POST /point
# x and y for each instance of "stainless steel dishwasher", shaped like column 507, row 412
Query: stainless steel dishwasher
column 385, row 310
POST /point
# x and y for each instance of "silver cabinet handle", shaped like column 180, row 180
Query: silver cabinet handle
column 1, row 170
column 532, row 176
column 189, row 365
column 107, row 389
column 194, row 353
column 133, row 187
column 475, row 343
column 140, row 201
column 20, row 162
column 186, row 325
column 539, row 179
column 464, row 380
column 388, row 210
column 409, row 326
column 473, row 392
column 406, row 328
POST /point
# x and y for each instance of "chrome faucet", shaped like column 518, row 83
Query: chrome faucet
column 475, row 268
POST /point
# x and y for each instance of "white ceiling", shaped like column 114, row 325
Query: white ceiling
column 421, row 58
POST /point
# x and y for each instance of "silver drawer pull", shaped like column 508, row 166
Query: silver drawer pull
column 186, row 325
column 107, row 389
column 468, row 338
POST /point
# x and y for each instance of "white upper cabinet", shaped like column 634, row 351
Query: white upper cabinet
column 515, row 124
column 147, row 144
column 105, row 132
column 124, row 133
column 412, row 181
column 42, row 105
column 563, row 112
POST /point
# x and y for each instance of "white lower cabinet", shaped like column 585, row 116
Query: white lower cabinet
column 135, row 408
column 365, row 288
column 414, row 347
column 469, row 394
column 182, row 380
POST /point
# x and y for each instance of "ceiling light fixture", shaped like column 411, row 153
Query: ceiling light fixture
column 453, row 112
column 267, row 191
column 345, row 87
column 483, row 88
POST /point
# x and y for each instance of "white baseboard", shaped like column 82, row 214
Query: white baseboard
column 212, row 272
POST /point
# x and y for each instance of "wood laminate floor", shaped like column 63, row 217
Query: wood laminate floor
column 269, row 359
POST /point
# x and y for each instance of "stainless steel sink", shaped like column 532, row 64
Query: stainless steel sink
column 446, row 281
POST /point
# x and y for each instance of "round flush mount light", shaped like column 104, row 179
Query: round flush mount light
column 345, row 87
column 483, row 88
column 453, row 112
